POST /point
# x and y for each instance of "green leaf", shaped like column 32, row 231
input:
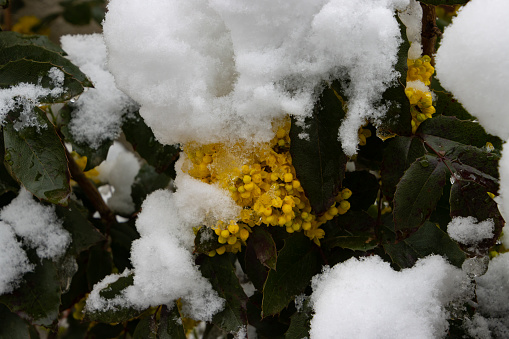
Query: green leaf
column 166, row 327
column 10, row 39
column 37, row 160
column 399, row 154
column 397, row 119
column 298, row 261
column 83, row 233
column 4, row 4
column 41, row 54
column 429, row 239
column 470, row 198
column 100, row 264
column 220, row 271
column 13, row 327
column 122, row 236
column 119, row 314
column 462, row 131
column 141, row 137
column 77, row 14
column 35, row 72
column 264, row 247
column 147, row 181
column 319, row 161
column 300, row 323
column 364, row 187
column 206, row 240
column 254, row 269
column 418, row 192
column 7, row 183
column 38, row 298
column 354, row 230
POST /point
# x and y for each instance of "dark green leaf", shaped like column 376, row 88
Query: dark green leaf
column 300, row 323
column 100, row 264
column 397, row 119
column 399, row 154
column 477, row 164
column 320, row 161
column 161, row 157
column 10, row 39
column 418, row 192
column 38, row 298
column 169, row 327
column 38, row 161
column 147, row 181
column 254, row 269
column 461, row 131
column 83, row 233
column 470, row 198
column 13, row 327
column 298, row 261
column 206, row 240
column 122, row 236
column 220, row 271
column 4, row 4
column 364, row 187
column 41, row 54
column 264, row 247
column 98, row 14
column 353, row 242
column 102, row 330
column 444, row 2
column 35, row 72
column 429, row 239
column 270, row 326
column 78, row 14
column 119, row 314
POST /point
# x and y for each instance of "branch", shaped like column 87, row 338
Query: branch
column 430, row 31
column 93, row 195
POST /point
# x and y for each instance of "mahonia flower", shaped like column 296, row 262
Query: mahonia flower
column 262, row 180
column 27, row 24
column 421, row 101
column 81, row 161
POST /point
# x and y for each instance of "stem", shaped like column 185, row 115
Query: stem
column 430, row 31
column 441, row 156
column 378, row 233
column 7, row 26
column 93, row 195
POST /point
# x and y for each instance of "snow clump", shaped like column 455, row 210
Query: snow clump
column 25, row 97
column 167, row 239
column 366, row 298
column 37, row 224
column 221, row 70
column 472, row 62
column 13, row 260
column 99, row 111
column 468, row 231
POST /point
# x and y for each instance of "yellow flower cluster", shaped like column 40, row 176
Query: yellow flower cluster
column 421, row 102
column 262, row 180
column 420, row 69
column 81, row 161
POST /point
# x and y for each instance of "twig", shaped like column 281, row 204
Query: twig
column 93, row 195
column 430, row 31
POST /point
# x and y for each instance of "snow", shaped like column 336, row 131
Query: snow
column 493, row 298
column 119, row 170
column 37, row 224
column 25, row 97
column 366, row 298
column 166, row 243
column 228, row 68
column 13, row 260
column 472, row 62
column 469, row 231
column 99, row 111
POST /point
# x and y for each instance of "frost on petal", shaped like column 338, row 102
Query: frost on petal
column 37, row 224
